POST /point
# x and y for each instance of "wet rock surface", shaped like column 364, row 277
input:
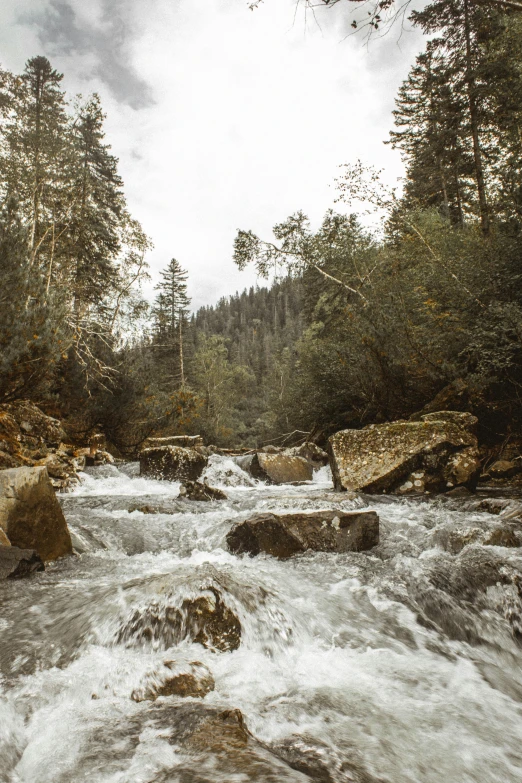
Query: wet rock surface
column 16, row 563
column 365, row 667
column 184, row 680
column 204, row 619
column 435, row 454
column 280, row 468
column 172, row 463
column 196, row 490
column 291, row 534
column 30, row 514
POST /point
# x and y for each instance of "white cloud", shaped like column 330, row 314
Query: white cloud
column 252, row 115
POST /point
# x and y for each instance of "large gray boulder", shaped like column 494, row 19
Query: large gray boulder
column 16, row 563
column 172, row 463
column 280, row 468
column 30, row 515
column 435, row 454
column 284, row 535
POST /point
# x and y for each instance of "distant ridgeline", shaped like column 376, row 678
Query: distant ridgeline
column 257, row 324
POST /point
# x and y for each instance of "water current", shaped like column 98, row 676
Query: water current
column 398, row 665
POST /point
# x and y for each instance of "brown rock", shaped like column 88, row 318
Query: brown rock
column 504, row 468
column 30, row 514
column 34, row 423
column 16, row 563
column 312, row 453
column 285, row 535
column 172, row 463
column 502, row 536
column 280, row 468
column 407, row 456
column 195, row 490
column 4, row 541
column 184, row 680
column 205, row 619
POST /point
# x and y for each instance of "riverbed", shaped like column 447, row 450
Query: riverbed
column 398, row 665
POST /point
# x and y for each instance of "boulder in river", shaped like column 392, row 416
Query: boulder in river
column 30, row 514
column 16, row 563
column 172, row 463
column 284, row 535
column 312, row 453
column 205, row 619
column 280, row 468
column 196, row 490
column 181, row 679
column 435, row 454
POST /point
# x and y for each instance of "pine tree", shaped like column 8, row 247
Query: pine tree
column 33, row 151
column 171, row 309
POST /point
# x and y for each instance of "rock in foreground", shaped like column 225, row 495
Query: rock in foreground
column 280, row 468
column 177, row 679
column 16, row 563
column 195, row 490
column 435, row 454
column 204, row 619
column 30, row 515
column 290, row 534
column 172, row 463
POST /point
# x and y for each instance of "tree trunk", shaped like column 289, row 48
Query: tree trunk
column 475, row 133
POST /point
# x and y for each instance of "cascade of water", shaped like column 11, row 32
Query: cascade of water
column 402, row 664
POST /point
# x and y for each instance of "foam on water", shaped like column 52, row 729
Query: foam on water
column 397, row 662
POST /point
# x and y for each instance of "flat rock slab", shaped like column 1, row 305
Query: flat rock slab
column 172, row 463
column 280, row 468
column 435, row 454
column 30, row 515
column 285, row 535
column 16, row 563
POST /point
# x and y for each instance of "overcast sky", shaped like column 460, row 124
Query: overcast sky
column 222, row 118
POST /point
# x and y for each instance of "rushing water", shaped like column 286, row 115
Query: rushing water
column 398, row 665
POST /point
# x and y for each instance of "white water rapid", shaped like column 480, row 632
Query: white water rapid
column 399, row 665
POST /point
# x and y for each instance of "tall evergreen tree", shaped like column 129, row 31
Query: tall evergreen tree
column 170, row 311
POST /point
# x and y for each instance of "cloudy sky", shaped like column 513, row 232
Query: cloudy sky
column 222, row 118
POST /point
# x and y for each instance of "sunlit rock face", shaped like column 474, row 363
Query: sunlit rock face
column 280, row 468
column 435, row 454
column 172, row 463
column 30, row 515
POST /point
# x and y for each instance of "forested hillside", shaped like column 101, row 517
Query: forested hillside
column 361, row 325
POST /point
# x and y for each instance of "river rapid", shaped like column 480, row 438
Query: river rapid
column 398, row 665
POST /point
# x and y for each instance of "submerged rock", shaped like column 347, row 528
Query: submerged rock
column 290, row 534
column 195, row 490
column 30, row 514
column 204, row 619
column 172, row 463
column 215, row 745
column 16, row 563
column 280, row 468
column 177, row 679
column 432, row 455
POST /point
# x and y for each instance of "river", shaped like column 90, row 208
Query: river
column 399, row 665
